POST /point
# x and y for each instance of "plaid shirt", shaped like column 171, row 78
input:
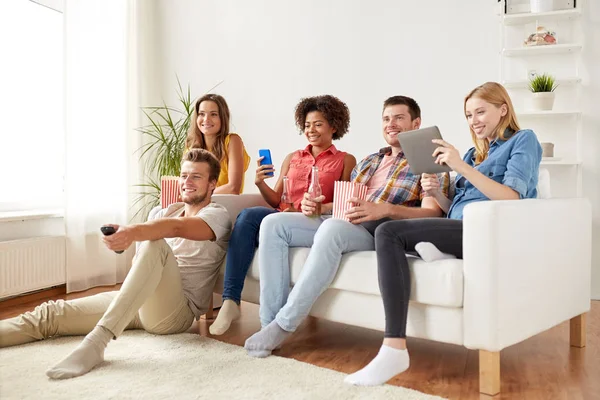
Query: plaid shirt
column 402, row 186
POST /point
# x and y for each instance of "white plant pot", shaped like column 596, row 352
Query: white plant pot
column 538, row 6
column 542, row 101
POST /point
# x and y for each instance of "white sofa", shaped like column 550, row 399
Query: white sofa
column 526, row 268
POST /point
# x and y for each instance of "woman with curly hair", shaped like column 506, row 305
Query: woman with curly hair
column 323, row 119
column 209, row 130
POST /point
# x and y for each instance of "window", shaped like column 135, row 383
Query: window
column 32, row 139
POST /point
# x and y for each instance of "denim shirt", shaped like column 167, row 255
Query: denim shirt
column 514, row 162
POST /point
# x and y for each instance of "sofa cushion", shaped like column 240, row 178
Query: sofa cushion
column 543, row 187
column 438, row 283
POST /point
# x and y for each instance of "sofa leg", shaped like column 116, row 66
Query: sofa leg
column 210, row 314
column 489, row 372
column 578, row 331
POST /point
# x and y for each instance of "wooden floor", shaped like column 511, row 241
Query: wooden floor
column 543, row 367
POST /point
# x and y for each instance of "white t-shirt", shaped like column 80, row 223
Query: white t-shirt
column 199, row 261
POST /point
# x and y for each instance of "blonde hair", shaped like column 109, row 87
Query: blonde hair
column 493, row 93
column 195, row 138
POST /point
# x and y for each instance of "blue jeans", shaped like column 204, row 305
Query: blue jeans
column 241, row 249
column 329, row 238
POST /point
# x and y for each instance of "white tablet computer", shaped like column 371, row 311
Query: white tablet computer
column 418, row 150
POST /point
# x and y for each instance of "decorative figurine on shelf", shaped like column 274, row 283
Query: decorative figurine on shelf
column 541, row 37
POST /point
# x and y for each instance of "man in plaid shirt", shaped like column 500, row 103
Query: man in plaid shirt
column 393, row 193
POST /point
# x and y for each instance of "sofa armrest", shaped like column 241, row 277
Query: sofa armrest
column 527, row 268
column 235, row 203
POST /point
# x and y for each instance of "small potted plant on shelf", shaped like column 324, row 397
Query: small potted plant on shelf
column 542, row 86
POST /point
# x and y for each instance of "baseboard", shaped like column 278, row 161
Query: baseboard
column 33, row 296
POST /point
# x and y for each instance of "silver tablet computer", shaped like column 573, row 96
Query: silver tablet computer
column 418, row 149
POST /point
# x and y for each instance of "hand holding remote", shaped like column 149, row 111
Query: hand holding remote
column 107, row 231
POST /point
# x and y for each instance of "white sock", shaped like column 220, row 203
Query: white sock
column 228, row 313
column 86, row 356
column 430, row 253
column 388, row 363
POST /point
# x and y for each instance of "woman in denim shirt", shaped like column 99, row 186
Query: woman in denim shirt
column 503, row 165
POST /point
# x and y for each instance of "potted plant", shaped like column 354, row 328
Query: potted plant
column 164, row 140
column 542, row 86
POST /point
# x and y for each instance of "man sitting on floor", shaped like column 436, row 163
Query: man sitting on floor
column 169, row 285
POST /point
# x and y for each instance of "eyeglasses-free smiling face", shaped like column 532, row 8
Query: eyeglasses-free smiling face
column 317, row 129
column 483, row 117
column 209, row 120
column 395, row 120
column 194, row 182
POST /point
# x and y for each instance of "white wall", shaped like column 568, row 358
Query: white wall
column 591, row 126
column 271, row 53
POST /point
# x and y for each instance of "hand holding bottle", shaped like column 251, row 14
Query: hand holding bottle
column 315, row 196
column 310, row 206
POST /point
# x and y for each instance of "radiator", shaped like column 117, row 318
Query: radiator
column 31, row 264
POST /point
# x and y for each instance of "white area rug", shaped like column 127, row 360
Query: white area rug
column 187, row 366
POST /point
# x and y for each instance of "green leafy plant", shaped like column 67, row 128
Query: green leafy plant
column 164, row 141
column 542, row 83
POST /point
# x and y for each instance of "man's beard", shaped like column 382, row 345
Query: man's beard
column 193, row 201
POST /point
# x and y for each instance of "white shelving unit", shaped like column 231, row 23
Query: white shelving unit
column 563, row 124
column 558, row 161
column 526, row 17
column 548, row 113
column 542, row 50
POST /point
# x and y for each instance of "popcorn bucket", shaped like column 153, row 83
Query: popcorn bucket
column 342, row 191
column 169, row 190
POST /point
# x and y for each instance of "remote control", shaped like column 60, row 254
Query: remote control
column 107, row 231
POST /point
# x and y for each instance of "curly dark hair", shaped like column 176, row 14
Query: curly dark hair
column 334, row 110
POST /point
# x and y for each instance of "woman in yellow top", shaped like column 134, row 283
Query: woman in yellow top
column 209, row 130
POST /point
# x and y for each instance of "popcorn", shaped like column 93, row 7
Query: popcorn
column 342, row 191
column 169, row 190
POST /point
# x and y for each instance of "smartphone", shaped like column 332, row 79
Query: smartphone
column 267, row 160
column 107, row 231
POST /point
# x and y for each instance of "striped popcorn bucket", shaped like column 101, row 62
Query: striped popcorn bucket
column 342, row 191
column 169, row 190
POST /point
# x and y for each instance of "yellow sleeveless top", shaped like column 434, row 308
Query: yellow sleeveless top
column 224, row 175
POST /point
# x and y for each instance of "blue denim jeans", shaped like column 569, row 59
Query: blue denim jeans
column 330, row 238
column 241, row 249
